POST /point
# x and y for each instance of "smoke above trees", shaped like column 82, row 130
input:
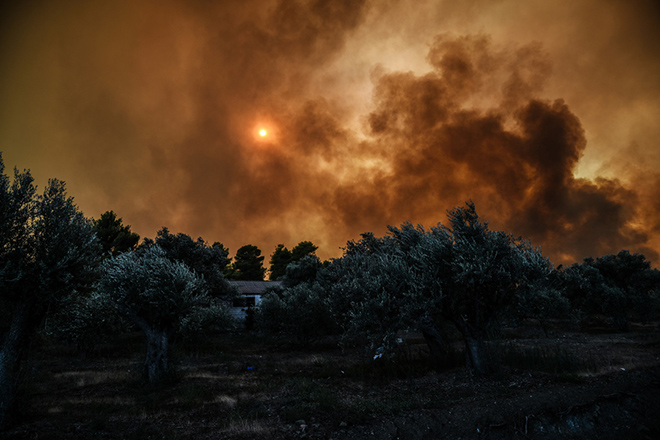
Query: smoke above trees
column 377, row 113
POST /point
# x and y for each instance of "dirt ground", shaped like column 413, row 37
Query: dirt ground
column 573, row 385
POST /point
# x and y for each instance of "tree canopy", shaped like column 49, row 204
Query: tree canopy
column 248, row 264
column 464, row 274
column 613, row 286
column 48, row 249
column 282, row 257
column 302, row 250
column 159, row 296
column 279, row 260
column 206, row 261
column 115, row 237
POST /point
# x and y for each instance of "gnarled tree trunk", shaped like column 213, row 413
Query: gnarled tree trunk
column 476, row 353
column 435, row 342
column 11, row 352
column 156, row 364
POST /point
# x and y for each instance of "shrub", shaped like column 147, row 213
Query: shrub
column 299, row 313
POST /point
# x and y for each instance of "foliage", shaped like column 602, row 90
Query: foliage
column 85, row 321
column 248, row 264
column 48, row 249
column 368, row 298
column 282, row 258
column 211, row 316
column 615, row 286
column 208, row 262
column 302, row 271
column 464, row 274
column 302, row 250
column 158, row 295
column 150, row 289
column 298, row 313
column 542, row 302
column 279, row 260
column 632, row 274
column 483, row 273
column 115, row 238
column 487, row 270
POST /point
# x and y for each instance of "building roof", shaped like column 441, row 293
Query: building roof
column 253, row 287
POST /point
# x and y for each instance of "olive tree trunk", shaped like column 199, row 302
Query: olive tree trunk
column 11, row 353
column 476, row 353
column 434, row 340
column 156, row 364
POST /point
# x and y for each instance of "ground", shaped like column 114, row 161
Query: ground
column 568, row 384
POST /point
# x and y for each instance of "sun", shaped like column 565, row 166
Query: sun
column 263, row 132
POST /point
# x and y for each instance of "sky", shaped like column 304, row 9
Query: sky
column 545, row 113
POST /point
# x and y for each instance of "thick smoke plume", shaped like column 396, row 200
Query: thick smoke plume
column 376, row 113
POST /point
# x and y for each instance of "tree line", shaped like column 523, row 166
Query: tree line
column 463, row 276
column 82, row 280
column 247, row 264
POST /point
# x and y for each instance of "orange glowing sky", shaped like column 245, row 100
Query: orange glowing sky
column 545, row 113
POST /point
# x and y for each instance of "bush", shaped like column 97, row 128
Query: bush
column 85, row 321
column 299, row 314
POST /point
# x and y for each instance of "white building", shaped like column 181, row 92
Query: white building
column 249, row 295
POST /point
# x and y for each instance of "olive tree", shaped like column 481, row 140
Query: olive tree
column 85, row 321
column 480, row 274
column 207, row 261
column 298, row 313
column 301, row 271
column 541, row 301
column 614, row 286
column 158, row 295
column 369, row 298
column 48, row 249
column 464, row 274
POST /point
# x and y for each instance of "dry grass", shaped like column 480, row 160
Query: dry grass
column 217, row 396
column 94, row 377
column 243, row 426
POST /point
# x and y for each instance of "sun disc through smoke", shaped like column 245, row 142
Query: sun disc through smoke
column 262, row 132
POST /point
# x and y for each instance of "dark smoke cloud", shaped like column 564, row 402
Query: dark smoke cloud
column 516, row 162
column 377, row 112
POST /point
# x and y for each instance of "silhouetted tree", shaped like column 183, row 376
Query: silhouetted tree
column 299, row 313
column 613, row 286
column 279, row 260
column 113, row 235
column 47, row 250
column 464, row 274
column 282, row 257
column 368, row 295
column 542, row 301
column 85, row 321
column 303, row 249
column 302, row 271
column 208, row 261
column 248, row 264
column 482, row 273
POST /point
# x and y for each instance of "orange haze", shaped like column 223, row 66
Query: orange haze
column 545, row 113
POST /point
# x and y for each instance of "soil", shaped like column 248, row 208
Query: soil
column 568, row 385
